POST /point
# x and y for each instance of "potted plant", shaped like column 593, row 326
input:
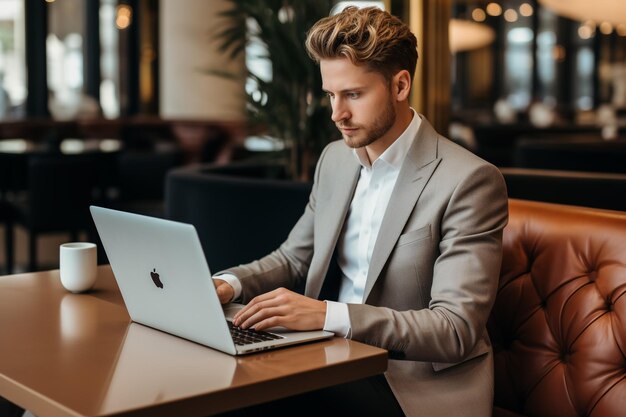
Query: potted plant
column 288, row 102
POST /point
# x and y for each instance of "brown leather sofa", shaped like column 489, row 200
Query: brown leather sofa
column 559, row 322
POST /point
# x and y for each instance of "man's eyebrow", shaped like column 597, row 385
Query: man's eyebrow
column 345, row 90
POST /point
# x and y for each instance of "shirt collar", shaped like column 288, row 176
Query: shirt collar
column 395, row 153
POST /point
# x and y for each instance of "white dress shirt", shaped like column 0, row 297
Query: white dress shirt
column 357, row 239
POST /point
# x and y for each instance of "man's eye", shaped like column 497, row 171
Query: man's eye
column 330, row 95
column 353, row 95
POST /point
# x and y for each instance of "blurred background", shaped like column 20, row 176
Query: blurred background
column 108, row 96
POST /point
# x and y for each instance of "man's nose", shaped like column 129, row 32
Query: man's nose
column 340, row 112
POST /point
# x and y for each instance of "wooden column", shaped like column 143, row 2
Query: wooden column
column 91, row 50
column 431, row 95
column 36, row 61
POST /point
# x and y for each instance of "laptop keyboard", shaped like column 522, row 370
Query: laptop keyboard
column 248, row 336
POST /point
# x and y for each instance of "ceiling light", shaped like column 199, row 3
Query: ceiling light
column 606, row 28
column 526, row 10
column 585, row 32
column 479, row 15
column 510, row 15
column 494, row 9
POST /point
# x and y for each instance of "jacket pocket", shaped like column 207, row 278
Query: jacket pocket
column 413, row 236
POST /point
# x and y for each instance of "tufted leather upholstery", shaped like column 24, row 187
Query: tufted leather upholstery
column 559, row 321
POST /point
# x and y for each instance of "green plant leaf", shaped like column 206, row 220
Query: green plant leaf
column 291, row 107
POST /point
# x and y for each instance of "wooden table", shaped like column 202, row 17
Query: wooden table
column 64, row 354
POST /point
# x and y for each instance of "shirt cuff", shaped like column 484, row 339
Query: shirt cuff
column 337, row 319
column 233, row 281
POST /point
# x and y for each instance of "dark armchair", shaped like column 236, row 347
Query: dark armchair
column 59, row 191
column 7, row 219
column 141, row 177
column 240, row 216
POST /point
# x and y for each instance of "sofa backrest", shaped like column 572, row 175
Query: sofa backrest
column 559, row 321
column 574, row 154
column 589, row 189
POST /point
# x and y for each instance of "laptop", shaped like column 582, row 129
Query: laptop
column 166, row 284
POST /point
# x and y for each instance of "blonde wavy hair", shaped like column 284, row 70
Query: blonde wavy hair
column 368, row 36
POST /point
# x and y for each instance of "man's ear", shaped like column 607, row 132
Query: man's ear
column 402, row 85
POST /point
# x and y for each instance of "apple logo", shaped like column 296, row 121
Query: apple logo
column 155, row 277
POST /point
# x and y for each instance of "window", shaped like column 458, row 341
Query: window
column 12, row 60
column 518, row 64
column 109, row 61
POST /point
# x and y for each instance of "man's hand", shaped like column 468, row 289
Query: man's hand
column 284, row 308
column 224, row 290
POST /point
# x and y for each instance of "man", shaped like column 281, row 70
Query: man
column 412, row 221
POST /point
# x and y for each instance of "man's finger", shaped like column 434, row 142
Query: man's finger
column 255, row 301
column 262, row 315
column 270, row 322
column 251, row 310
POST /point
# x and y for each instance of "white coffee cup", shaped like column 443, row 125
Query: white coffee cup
column 78, row 266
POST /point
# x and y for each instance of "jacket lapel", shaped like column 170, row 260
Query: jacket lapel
column 417, row 168
column 345, row 176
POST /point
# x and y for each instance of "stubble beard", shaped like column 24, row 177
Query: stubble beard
column 373, row 132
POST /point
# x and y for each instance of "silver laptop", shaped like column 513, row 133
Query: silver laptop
column 166, row 284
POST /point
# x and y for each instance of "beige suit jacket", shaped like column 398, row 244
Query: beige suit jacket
column 433, row 274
